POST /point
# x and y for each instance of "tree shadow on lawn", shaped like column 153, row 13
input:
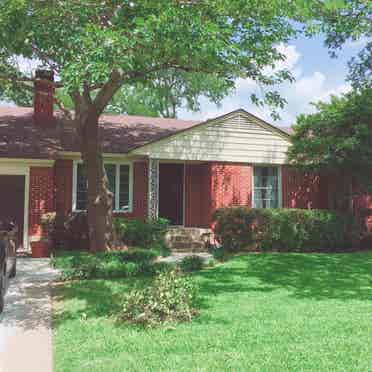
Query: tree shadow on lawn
column 91, row 298
column 314, row 276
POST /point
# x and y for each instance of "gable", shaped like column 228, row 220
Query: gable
column 236, row 137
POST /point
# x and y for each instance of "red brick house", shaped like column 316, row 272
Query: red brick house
column 181, row 170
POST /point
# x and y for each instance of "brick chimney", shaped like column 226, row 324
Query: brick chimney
column 44, row 99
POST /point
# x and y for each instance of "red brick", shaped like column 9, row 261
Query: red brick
column 63, row 170
column 42, row 191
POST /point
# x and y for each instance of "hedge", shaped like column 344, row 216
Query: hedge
column 296, row 230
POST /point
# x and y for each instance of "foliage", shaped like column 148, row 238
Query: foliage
column 167, row 92
column 296, row 230
column 253, row 310
column 136, row 232
column 338, row 139
column 191, row 263
column 347, row 21
column 75, row 232
column 147, row 41
column 48, row 224
column 220, row 253
column 116, row 264
column 170, row 298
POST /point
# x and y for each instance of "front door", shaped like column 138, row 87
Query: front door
column 12, row 202
column 171, row 180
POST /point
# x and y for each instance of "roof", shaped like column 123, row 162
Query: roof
column 21, row 138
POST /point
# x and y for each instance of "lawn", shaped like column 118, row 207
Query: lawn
column 259, row 312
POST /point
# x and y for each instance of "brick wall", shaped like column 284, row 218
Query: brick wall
column 231, row 185
column 42, row 191
column 302, row 190
column 63, row 170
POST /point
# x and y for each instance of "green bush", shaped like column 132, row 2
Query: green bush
column 220, row 254
column 170, row 298
column 73, row 232
column 118, row 264
column 298, row 230
column 136, row 255
column 191, row 263
column 136, row 232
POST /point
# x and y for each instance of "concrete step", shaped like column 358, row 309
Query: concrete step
column 182, row 239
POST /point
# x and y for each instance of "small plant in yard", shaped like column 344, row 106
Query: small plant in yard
column 136, row 232
column 116, row 264
column 191, row 263
column 220, row 254
column 170, row 298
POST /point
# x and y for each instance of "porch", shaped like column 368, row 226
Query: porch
column 187, row 193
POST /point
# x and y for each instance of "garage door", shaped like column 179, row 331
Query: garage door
column 12, row 201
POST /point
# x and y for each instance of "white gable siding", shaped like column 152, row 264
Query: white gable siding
column 236, row 138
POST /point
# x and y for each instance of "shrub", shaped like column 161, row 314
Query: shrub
column 219, row 254
column 366, row 241
column 232, row 227
column 170, row 298
column 283, row 229
column 117, row 264
column 75, row 234
column 191, row 263
column 136, row 255
column 48, row 224
column 135, row 232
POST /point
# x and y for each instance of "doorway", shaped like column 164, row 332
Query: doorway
column 171, row 192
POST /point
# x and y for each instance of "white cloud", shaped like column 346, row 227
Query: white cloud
column 292, row 57
column 359, row 43
column 306, row 89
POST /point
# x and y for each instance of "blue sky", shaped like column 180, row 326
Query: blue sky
column 317, row 77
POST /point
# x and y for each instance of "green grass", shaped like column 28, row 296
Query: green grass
column 259, row 312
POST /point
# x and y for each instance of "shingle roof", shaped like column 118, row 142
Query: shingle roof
column 21, row 138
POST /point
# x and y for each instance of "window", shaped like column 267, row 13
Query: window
column 119, row 177
column 266, row 191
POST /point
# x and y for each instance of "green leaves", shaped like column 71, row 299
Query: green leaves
column 338, row 137
column 84, row 41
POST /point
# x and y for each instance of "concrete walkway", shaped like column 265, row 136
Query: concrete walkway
column 177, row 257
column 25, row 325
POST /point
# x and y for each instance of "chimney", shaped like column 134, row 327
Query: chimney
column 44, row 99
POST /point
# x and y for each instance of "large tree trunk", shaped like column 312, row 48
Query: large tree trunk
column 100, row 199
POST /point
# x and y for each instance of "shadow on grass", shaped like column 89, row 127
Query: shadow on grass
column 90, row 298
column 314, row 276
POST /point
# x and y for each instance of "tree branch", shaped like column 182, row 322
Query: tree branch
column 66, row 112
column 25, row 79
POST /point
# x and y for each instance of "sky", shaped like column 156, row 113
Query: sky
column 318, row 76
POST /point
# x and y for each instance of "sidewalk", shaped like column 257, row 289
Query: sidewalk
column 25, row 325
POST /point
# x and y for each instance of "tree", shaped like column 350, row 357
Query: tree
column 97, row 46
column 343, row 21
column 337, row 140
column 168, row 91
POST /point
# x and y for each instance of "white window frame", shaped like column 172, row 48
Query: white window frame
column 280, row 196
column 117, row 186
